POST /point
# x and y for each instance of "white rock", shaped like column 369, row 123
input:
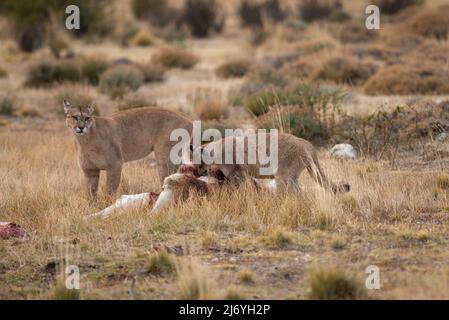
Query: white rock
column 344, row 150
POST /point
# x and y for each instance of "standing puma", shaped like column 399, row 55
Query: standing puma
column 293, row 156
column 105, row 143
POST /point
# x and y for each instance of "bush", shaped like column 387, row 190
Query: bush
column 296, row 121
column 233, row 69
column 345, row 70
column 7, row 106
column 142, row 39
column 120, row 79
column 334, row 284
column 431, row 24
column 209, row 104
column 156, row 12
column 401, row 79
column 46, row 73
column 3, row 73
column 175, row 58
column 201, row 16
column 92, row 69
column 250, row 14
column 153, row 73
column 311, row 10
column 394, row 6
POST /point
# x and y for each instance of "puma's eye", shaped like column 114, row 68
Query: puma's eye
column 76, row 118
column 87, row 118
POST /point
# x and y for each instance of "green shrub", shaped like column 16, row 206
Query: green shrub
column 175, row 58
column 47, row 73
column 333, row 284
column 394, row 6
column 120, row 79
column 233, row 69
column 7, row 105
column 92, row 69
column 202, row 16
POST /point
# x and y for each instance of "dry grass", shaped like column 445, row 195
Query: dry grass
column 209, row 104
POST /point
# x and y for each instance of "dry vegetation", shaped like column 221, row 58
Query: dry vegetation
column 307, row 69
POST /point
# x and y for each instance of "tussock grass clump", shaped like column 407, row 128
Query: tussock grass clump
column 194, row 283
column 262, row 77
column 46, row 73
column 246, row 277
column 355, row 32
column 234, row 293
column 233, row 69
column 7, row 105
column 401, row 79
column 334, row 284
column 429, row 23
column 92, row 69
column 209, row 239
column 443, row 181
column 338, row 243
column 142, row 39
column 120, row 79
column 209, row 104
column 278, row 238
column 60, row 292
column 171, row 57
column 161, row 263
column 342, row 69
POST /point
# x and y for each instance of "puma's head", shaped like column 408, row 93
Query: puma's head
column 79, row 119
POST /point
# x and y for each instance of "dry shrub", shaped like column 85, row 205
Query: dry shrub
column 142, row 39
column 430, row 23
column 311, row 10
column 335, row 284
column 353, row 32
column 121, row 79
column 250, row 14
column 209, row 104
column 7, row 105
column 341, row 69
column 171, row 57
column 92, row 69
column 299, row 69
column 402, row 79
column 233, row 69
column 134, row 101
column 153, row 73
column 3, row 73
column 394, row 6
column 30, row 112
column 202, row 16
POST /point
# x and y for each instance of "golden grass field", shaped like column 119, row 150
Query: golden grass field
column 237, row 244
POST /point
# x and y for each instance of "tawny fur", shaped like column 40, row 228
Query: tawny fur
column 294, row 155
column 106, row 143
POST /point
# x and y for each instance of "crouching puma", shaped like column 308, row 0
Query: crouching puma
column 106, row 143
column 293, row 156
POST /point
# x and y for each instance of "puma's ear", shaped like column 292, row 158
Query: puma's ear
column 67, row 106
column 90, row 109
